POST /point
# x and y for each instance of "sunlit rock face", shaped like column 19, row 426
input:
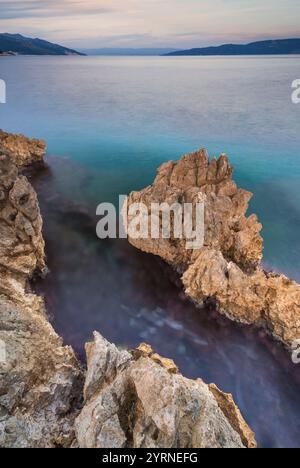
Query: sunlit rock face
column 226, row 269
column 139, row 399
column 40, row 380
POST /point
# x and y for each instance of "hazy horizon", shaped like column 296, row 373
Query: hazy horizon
column 93, row 24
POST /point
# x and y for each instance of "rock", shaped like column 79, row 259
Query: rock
column 21, row 149
column 227, row 229
column 21, row 240
column 265, row 299
column 145, row 350
column 227, row 267
column 234, row 416
column 40, row 380
column 135, row 400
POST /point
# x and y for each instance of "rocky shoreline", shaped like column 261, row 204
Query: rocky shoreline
column 227, row 269
column 40, row 378
column 125, row 398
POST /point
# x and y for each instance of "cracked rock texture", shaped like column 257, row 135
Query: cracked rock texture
column 138, row 399
column 40, row 380
column 227, row 269
column 21, row 149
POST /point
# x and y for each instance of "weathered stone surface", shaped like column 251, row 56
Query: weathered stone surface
column 39, row 378
column 234, row 416
column 21, row 241
column 264, row 299
column 145, row 350
column 227, row 229
column 136, row 400
column 227, row 268
column 22, row 150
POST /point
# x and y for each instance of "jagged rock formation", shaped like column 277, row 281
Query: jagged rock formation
column 227, row 268
column 40, row 380
column 22, row 150
column 132, row 399
column 138, row 399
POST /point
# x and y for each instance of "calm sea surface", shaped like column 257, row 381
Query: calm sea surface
column 109, row 122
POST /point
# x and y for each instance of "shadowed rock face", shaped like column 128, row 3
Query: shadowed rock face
column 40, row 379
column 227, row 268
column 140, row 400
column 22, row 150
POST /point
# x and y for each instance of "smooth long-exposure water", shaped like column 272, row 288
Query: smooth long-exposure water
column 109, row 122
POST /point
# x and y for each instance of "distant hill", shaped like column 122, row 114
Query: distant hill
column 26, row 46
column 274, row 47
column 128, row 51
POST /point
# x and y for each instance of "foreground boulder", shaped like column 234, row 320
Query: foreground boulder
column 226, row 269
column 40, row 380
column 139, row 400
column 22, row 150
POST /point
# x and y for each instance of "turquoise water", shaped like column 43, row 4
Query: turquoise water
column 122, row 116
column 108, row 123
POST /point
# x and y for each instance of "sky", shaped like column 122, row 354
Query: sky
column 151, row 23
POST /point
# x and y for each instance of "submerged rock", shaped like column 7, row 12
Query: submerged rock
column 136, row 400
column 40, row 380
column 226, row 269
column 22, row 150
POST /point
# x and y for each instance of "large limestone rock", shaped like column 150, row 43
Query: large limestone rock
column 22, row 150
column 226, row 269
column 40, row 380
column 140, row 400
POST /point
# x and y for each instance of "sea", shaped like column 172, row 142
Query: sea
column 109, row 122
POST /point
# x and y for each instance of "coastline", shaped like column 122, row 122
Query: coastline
column 40, row 375
column 227, row 269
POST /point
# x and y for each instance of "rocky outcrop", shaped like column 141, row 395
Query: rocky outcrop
column 135, row 399
column 21, row 149
column 40, row 380
column 226, row 269
column 139, row 400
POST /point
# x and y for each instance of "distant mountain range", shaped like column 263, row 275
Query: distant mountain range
column 16, row 44
column 274, row 47
column 128, row 51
